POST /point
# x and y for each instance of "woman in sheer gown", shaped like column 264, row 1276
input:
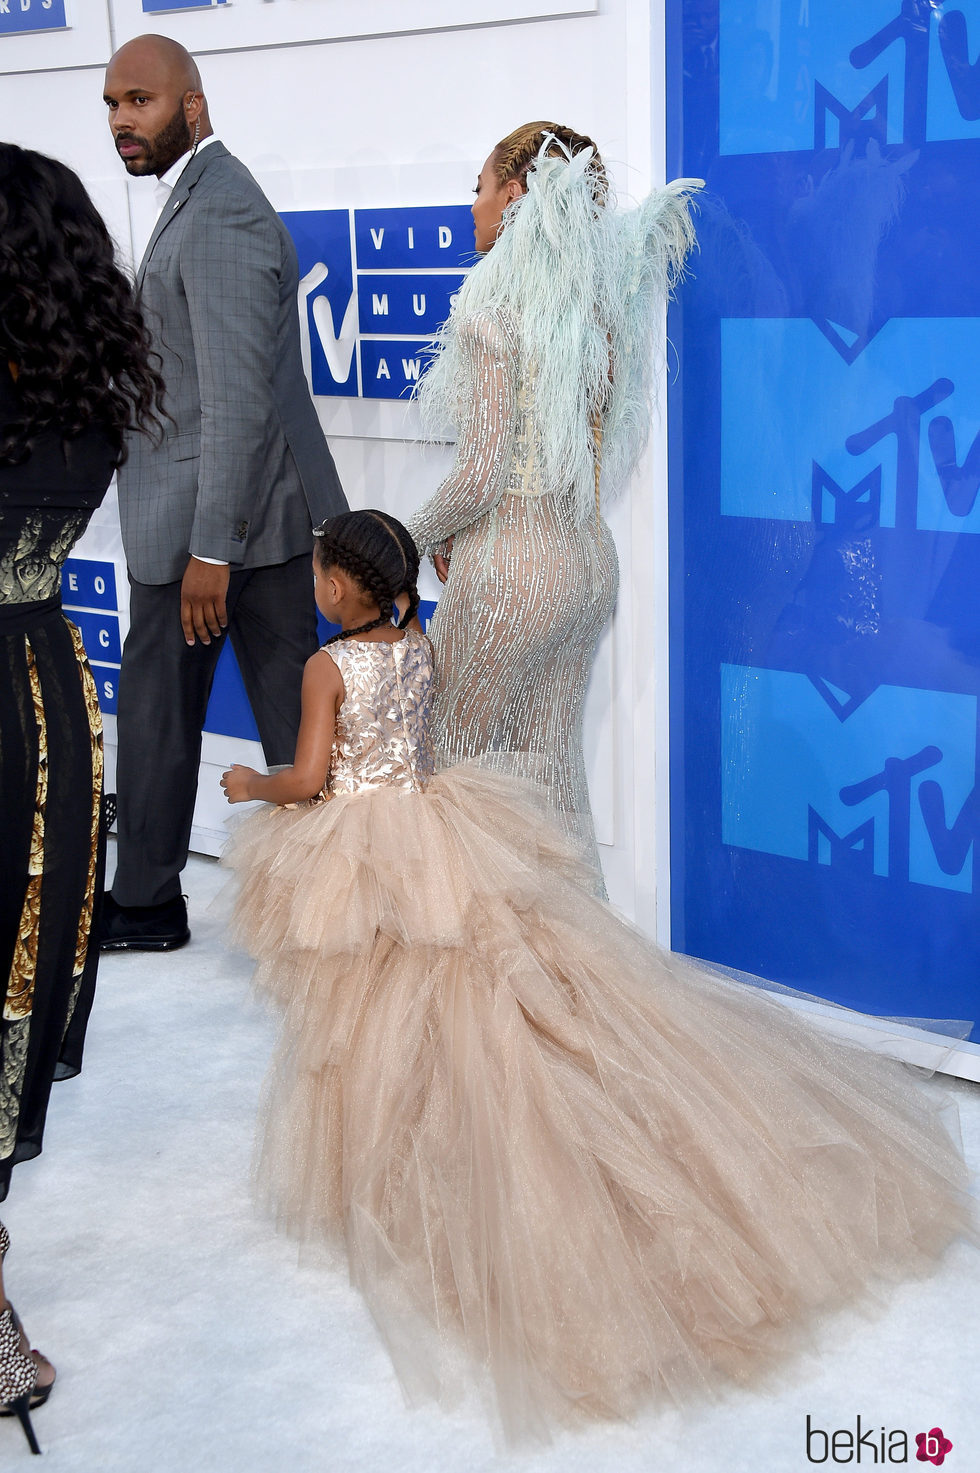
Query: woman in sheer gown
column 544, row 361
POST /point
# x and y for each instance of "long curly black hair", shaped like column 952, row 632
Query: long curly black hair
column 69, row 321
column 379, row 554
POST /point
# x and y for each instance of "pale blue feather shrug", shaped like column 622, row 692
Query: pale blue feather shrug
column 585, row 286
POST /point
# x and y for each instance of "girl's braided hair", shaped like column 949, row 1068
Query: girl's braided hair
column 515, row 154
column 376, row 551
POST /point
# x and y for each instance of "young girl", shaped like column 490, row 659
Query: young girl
column 549, row 1149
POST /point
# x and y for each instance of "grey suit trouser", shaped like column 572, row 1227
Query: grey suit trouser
column 164, row 685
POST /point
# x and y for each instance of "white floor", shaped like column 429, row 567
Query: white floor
column 188, row 1337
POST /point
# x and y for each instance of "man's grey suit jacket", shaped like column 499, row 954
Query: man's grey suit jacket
column 243, row 471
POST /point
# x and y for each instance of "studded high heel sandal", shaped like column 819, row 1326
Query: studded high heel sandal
column 14, row 1404
column 18, row 1376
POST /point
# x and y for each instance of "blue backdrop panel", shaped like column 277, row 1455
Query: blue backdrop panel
column 106, row 687
column 414, row 238
column 89, row 597
column 391, row 367
column 88, row 584
column 406, row 304
column 825, row 471
column 20, row 16
column 157, row 7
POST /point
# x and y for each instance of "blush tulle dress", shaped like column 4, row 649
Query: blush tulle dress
column 582, row 1169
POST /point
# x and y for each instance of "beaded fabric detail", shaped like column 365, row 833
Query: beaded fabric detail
column 382, row 737
column 530, row 590
column 547, row 354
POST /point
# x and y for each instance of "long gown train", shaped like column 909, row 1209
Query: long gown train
column 604, row 1173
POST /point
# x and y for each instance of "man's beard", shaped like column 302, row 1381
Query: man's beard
column 160, row 152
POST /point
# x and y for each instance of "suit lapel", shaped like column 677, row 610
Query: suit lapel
column 179, row 196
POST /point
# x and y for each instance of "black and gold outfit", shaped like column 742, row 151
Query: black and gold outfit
column 50, row 780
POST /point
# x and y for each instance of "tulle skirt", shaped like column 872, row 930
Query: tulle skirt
column 589, row 1170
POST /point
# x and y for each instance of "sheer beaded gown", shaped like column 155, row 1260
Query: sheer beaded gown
column 555, row 1158
column 530, row 586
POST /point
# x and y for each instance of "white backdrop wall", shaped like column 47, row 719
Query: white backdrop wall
column 405, row 118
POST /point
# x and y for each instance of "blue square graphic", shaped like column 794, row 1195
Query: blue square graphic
column 88, row 584
column 799, row 77
column 815, row 427
column 872, row 785
column 405, row 304
column 20, row 17
column 415, row 238
column 158, row 7
column 106, row 679
column 391, row 367
column 327, row 298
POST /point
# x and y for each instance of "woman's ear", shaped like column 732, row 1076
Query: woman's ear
column 513, row 190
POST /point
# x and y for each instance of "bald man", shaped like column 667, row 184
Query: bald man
column 216, row 518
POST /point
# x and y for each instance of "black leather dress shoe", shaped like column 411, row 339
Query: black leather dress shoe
column 144, row 927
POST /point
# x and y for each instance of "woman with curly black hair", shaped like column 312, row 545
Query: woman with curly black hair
column 75, row 375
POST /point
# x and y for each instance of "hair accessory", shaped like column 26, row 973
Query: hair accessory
column 549, row 139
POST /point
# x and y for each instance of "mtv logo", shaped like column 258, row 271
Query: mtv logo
column 374, row 287
column 816, row 76
column 817, row 427
column 327, row 300
column 809, row 774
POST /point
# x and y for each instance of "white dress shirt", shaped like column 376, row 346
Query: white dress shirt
column 163, row 188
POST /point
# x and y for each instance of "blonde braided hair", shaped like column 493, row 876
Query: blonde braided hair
column 515, row 154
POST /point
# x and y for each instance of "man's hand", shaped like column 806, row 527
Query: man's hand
column 441, row 561
column 202, row 600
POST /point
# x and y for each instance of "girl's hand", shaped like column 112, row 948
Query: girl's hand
column 236, row 783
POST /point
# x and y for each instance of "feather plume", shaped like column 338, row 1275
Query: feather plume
column 585, row 287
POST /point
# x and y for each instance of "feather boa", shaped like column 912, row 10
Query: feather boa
column 586, row 287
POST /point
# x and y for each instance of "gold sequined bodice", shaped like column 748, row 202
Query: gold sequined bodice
column 383, row 737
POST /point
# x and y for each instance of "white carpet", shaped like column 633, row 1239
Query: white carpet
column 187, row 1336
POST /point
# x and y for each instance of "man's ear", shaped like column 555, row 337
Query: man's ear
column 193, row 105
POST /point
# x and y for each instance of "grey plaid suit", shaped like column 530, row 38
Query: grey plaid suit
column 242, row 474
column 244, row 471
